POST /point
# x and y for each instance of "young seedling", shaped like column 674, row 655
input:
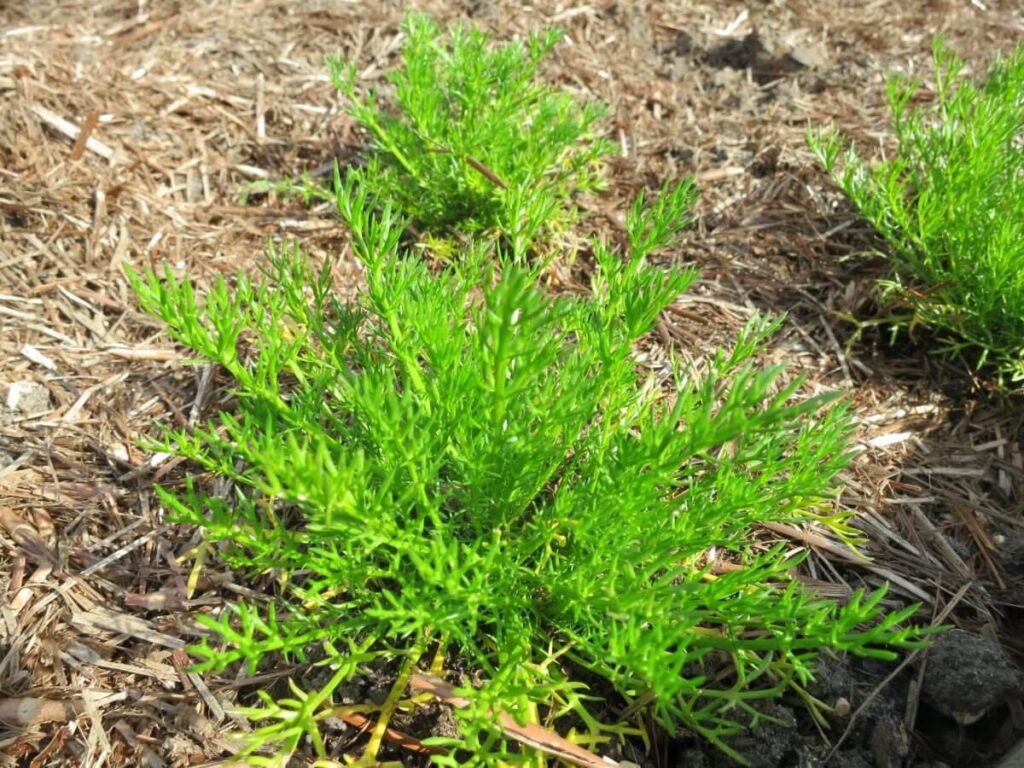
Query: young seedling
column 950, row 205
column 458, row 467
column 470, row 142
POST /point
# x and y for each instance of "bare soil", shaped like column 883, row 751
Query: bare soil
column 128, row 133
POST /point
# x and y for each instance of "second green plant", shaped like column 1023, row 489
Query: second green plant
column 949, row 203
column 473, row 141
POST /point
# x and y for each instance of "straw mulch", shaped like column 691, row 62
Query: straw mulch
column 128, row 134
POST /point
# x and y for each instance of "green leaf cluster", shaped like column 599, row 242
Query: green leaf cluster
column 470, row 141
column 458, row 461
column 950, row 205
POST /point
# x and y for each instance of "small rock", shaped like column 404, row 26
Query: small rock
column 26, row 398
column 810, row 55
column 967, row 675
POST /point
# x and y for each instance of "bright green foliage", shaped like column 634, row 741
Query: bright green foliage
column 950, row 205
column 474, row 142
column 458, row 461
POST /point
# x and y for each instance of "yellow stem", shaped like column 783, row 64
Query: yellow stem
column 388, row 709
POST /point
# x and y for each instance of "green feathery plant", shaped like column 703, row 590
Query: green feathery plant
column 456, row 466
column 950, row 205
column 474, row 144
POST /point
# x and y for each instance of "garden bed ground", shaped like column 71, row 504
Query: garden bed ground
column 183, row 104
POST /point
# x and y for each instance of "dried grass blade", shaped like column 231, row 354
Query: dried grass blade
column 530, row 734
